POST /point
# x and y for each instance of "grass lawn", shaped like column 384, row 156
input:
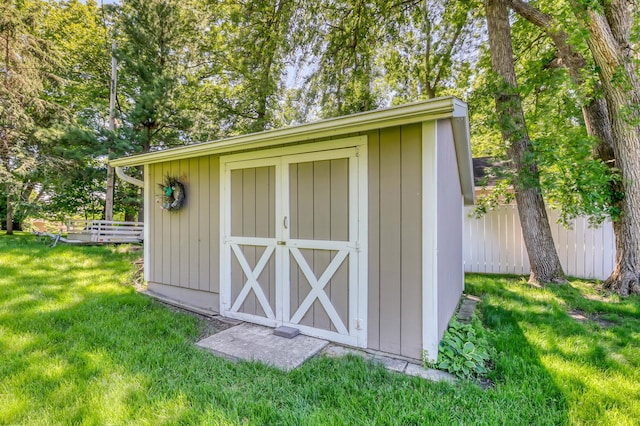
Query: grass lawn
column 80, row 346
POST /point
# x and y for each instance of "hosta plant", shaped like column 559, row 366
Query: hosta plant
column 463, row 351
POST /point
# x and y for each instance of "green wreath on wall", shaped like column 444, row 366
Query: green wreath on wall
column 173, row 194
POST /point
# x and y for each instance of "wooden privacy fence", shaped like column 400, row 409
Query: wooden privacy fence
column 494, row 244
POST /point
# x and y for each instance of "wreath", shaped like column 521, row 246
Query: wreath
column 173, row 194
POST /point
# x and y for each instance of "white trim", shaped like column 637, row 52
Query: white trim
column 146, row 232
column 250, row 241
column 125, row 177
column 225, row 249
column 322, row 244
column 308, row 151
column 462, row 241
column 328, row 154
column 363, row 249
column 283, row 303
column 231, row 162
column 461, row 138
column 317, row 288
column 417, row 112
column 252, row 279
column 267, row 322
column 325, row 334
column 430, row 240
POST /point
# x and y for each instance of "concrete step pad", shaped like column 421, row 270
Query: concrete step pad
column 252, row 342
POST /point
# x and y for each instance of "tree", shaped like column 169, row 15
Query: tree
column 430, row 48
column 362, row 55
column 610, row 118
column 77, row 149
column 28, row 65
column 153, row 52
column 609, row 24
column 155, row 49
column 543, row 258
column 343, row 39
column 258, row 34
column 594, row 108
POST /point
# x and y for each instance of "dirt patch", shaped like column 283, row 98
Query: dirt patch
column 583, row 317
column 208, row 324
column 212, row 325
column 602, row 295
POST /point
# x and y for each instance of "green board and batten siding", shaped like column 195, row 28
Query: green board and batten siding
column 253, row 215
column 395, row 245
column 319, row 210
column 184, row 245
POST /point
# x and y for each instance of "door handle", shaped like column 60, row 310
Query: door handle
column 285, row 222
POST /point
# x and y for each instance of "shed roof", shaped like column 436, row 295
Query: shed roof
column 434, row 109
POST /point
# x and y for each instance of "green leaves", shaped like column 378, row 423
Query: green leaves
column 463, row 351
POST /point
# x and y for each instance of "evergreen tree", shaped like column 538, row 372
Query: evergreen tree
column 28, row 73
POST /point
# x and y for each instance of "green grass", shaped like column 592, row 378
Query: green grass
column 80, row 346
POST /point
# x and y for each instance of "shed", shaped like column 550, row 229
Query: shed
column 349, row 229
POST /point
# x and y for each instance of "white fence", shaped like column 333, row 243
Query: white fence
column 493, row 244
column 104, row 231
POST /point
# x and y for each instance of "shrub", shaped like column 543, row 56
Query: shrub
column 463, row 351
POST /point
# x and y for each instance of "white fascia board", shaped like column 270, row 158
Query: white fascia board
column 460, row 108
column 433, row 109
column 462, row 143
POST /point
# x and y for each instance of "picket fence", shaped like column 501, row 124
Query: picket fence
column 494, row 244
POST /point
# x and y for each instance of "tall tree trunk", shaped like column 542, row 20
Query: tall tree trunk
column 109, row 194
column 111, row 178
column 9, row 216
column 609, row 43
column 543, row 258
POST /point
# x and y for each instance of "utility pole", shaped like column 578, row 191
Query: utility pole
column 108, row 205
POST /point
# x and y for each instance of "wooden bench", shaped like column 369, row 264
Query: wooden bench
column 104, row 231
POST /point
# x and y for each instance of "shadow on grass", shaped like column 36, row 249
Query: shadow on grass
column 80, row 347
column 594, row 367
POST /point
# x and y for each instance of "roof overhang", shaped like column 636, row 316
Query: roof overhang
column 462, row 140
column 434, row 109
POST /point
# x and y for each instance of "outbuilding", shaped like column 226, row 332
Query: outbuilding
column 348, row 229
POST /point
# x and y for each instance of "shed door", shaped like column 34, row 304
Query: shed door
column 292, row 246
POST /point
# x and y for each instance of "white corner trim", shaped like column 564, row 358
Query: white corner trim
column 363, row 240
column 462, row 145
column 225, row 250
column 462, row 244
column 430, row 240
column 146, row 231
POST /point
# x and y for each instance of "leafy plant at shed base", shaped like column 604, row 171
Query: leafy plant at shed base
column 463, row 351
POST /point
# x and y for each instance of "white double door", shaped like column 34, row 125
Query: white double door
column 292, row 231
